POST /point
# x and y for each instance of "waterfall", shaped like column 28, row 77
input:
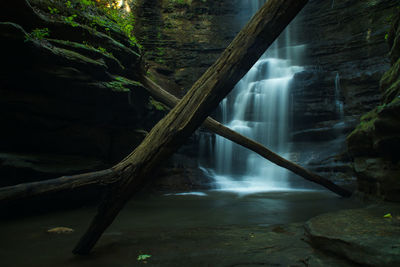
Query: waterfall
column 338, row 101
column 258, row 107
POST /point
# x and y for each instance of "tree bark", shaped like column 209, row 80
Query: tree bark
column 25, row 190
column 204, row 96
column 214, row 126
column 107, row 177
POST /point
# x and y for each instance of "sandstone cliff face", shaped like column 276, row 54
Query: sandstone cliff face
column 68, row 102
column 183, row 38
column 62, row 98
column 375, row 143
column 344, row 58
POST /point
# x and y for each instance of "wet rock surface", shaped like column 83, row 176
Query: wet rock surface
column 279, row 245
column 363, row 236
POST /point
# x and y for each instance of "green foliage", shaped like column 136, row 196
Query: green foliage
column 37, row 34
column 117, row 86
column 99, row 49
column 53, row 10
column 160, row 51
column 125, row 22
column 386, row 36
column 143, row 257
column 68, row 4
column 71, row 20
column 157, row 105
column 180, row 3
column 102, row 15
column 389, row 20
column 380, row 107
column 86, row 3
column 104, row 51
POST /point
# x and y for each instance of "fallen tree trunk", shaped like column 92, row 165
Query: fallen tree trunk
column 25, row 190
column 167, row 136
column 218, row 128
column 106, row 176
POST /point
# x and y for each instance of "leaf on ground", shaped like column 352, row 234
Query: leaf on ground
column 387, row 216
column 143, row 257
column 60, row 230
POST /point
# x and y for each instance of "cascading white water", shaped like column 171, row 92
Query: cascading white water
column 258, row 107
column 338, row 101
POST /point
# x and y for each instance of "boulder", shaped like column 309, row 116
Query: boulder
column 364, row 236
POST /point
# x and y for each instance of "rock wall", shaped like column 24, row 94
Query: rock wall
column 69, row 102
column 70, row 107
column 344, row 58
column 375, row 143
column 183, row 38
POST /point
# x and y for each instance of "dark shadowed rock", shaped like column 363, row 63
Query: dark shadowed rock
column 375, row 143
column 65, row 100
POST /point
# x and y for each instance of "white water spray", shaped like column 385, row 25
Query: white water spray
column 258, row 107
column 338, row 101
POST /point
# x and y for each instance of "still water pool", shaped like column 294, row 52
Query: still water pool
column 168, row 227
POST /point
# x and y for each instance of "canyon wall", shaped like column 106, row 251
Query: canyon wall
column 345, row 56
column 69, row 107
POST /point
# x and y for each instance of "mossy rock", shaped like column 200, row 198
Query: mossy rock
column 360, row 140
column 390, row 83
column 87, row 50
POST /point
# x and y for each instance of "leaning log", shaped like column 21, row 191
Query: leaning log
column 26, row 190
column 214, row 126
column 106, row 177
column 169, row 133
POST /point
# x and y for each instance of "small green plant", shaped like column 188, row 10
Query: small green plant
column 86, row 3
column 160, row 51
column 37, row 34
column 68, row 4
column 53, row 10
column 386, row 36
column 117, row 86
column 143, row 257
column 157, row 105
column 71, row 20
column 179, row 2
column 104, row 51
column 381, row 107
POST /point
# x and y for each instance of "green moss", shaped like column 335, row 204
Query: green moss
column 96, row 15
column 53, row 10
column 157, row 105
column 117, row 86
column 359, row 141
column 391, row 75
column 127, row 81
column 180, row 3
column 121, row 84
column 393, row 92
column 77, row 57
column 38, row 34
